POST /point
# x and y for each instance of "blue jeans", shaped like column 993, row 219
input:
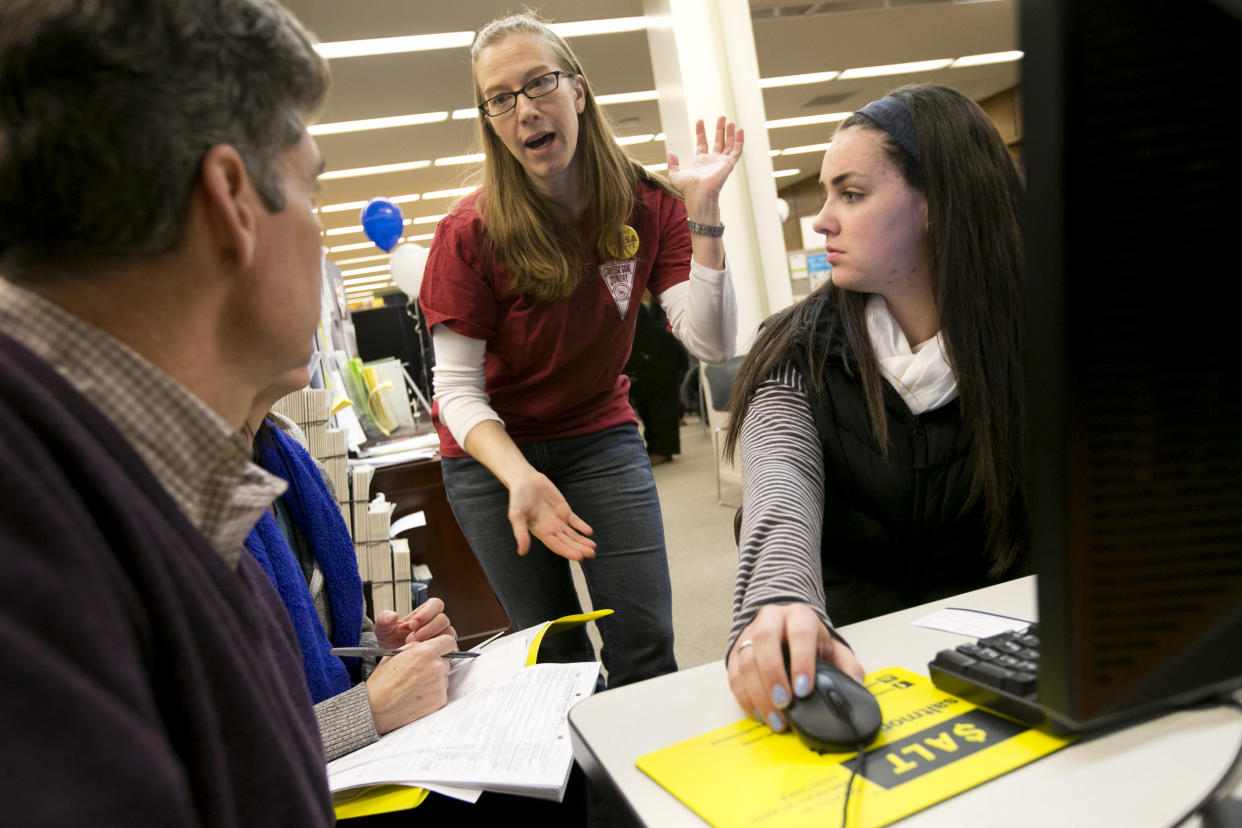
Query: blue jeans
column 606, row 478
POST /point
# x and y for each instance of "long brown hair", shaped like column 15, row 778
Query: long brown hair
column 974, row 239
column 535, row 237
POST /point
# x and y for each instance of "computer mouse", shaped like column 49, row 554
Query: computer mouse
column 838, row 715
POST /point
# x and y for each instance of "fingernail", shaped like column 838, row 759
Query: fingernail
column 758, row 718
column 776, row 722
column 860, row 678
column 802, row 685
column 780, row 697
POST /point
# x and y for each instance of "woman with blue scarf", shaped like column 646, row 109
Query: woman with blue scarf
column 305, row 548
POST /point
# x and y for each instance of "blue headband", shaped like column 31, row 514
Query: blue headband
column 893, row 117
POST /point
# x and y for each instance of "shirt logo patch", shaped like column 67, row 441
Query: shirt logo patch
column 619, row 277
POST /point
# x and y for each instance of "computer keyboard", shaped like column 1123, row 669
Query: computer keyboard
column 999, row 672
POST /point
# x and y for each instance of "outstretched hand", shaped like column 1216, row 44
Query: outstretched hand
column 700, row 184
column 537, row 507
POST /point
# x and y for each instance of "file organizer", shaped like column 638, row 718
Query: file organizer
column 383, row 565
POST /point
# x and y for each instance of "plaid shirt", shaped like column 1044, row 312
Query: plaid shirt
column 201, row 461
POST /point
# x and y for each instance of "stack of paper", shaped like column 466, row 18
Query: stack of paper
column 308, row 408
column 373, row 543
column 360, row 477
column 401, row 575
column 505, row 728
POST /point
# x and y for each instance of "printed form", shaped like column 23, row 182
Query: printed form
column 505, row 728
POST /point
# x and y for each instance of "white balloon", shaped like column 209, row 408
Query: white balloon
column 407, row 263
column 782, row 209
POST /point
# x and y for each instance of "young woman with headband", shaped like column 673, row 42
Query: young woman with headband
column 879, row 420
column 531, row 293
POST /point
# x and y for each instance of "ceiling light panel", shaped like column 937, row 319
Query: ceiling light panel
column 453, row 193
column 378, row 123
column 806, row 120
column 627, row 97
column 345, row 248
column 988, row 59
column 362, row 271
column 806, row 148
column 596, row 27
column 896, row 69
column 394, row 45
column 346, row 206
column 796, row 80
column 361, row 259
column 380, row 169
column 476, row 158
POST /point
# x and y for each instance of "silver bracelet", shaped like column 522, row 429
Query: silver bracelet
column 713, row 230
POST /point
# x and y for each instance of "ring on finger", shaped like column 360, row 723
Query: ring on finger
column 743, row 645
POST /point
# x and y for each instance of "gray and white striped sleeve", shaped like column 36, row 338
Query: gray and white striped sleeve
column 783, row 497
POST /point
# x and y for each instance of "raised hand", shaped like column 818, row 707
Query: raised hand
column 700, row 184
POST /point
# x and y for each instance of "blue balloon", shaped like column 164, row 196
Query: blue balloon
column 383, row 223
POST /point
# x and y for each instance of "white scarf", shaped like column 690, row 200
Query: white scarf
column 920, row 374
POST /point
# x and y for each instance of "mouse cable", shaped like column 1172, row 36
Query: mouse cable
column 1226, row 781
column 849, row 786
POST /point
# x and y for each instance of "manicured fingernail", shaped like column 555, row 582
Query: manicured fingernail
column 802, row 685
column 780, row 697
column 776, row 722
column 758, row 718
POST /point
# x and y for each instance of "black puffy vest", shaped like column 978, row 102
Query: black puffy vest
column 898, row 530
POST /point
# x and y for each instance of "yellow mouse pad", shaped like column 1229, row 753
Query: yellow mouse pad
column 931, row 746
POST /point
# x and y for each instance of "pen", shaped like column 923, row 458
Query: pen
column 384, row 651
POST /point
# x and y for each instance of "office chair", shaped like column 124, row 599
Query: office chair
column 717, row 383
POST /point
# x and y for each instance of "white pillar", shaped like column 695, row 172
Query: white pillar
column 704, row 63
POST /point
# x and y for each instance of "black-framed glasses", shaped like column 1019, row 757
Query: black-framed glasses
column 535, row 88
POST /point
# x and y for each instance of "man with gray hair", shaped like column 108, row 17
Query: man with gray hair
column 161, row 264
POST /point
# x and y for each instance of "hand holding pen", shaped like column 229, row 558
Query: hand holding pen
column 411, row 684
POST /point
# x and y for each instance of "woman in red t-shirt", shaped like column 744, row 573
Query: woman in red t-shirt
column 531, row 293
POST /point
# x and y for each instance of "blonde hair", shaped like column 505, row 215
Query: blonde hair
column 537, row 239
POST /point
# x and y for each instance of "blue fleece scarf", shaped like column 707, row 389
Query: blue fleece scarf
column 316, row 514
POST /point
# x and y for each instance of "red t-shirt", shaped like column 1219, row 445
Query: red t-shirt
column 552, row 369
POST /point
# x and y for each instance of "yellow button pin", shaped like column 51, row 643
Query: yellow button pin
column 629, row 241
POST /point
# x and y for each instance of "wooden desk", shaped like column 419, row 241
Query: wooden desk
column 456, row 577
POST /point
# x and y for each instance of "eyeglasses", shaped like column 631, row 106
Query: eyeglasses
column 536, row 88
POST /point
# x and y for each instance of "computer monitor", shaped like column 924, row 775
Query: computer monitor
column 396, row 331
column 1133, row 164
